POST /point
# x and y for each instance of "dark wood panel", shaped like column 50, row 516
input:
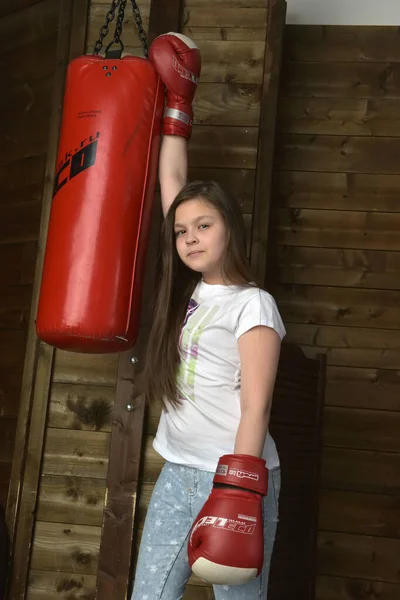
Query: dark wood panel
column 357, row 357
column 328, row 228
column 338, row 267
column 22, row 181
column 31, row 62
column 339, row 116
column 361, row 470
column 17, row 263
column 5, row 470
column 331, row 306
column 331, row 43
column 341, row 80
column 12, row 349
column 26, row 117
column 341, row 588
column 46, row 58
column 296, row 152
column 266, row 141
column 20, row 222
column 7, row 8
column 7, row 437
column 362, row 428
column 336, row 336
column 344, row 191
column 357, row 512
column 28, row 25
column 363, row 556
column 363, row 388
column 10, row 388
column 15, row 302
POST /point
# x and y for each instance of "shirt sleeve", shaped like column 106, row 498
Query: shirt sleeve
column 259, row 309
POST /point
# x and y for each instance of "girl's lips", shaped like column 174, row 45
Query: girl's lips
column 196, row 253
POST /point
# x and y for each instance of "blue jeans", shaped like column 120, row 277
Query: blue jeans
column 163, row 570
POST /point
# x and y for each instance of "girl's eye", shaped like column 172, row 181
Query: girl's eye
column 205, row 225
column 179, row 232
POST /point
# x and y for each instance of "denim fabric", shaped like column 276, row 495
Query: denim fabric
column 163, row 569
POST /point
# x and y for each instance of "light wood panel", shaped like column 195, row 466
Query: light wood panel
column 71, row 499
column 65, row 547
column 47, row 585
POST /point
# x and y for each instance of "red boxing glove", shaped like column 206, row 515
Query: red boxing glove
column 177, row 60
column 226, row 543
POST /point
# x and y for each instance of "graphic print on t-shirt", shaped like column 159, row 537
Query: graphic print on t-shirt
column 196, row 319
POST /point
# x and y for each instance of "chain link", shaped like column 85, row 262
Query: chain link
column 118, row 28
column 139, row 24
column 120, row 21
column 105, row 28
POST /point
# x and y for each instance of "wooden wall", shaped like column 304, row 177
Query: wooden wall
column 335, row 267
column 28, row 31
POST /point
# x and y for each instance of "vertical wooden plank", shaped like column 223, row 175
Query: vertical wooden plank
column 39, row 357
column 164, row 16
column 262, row 196
column 115, row 555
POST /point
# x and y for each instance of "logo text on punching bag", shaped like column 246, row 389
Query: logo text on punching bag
column 76, row 160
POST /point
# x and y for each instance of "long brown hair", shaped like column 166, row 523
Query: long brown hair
column 177, row 283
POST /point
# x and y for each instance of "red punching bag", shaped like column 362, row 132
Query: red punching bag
column 101, row 210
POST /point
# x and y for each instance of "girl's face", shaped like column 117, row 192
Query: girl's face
column 201, row 238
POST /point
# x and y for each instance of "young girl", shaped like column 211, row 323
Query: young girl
column 211, row 359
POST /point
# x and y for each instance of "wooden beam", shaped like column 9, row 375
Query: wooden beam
column 114, row 572
column 270, row 87
column 39, row 357
column 165, row 15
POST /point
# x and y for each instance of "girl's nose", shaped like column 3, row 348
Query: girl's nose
column 191, row 238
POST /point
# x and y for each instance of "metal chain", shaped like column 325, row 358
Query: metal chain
column 105, row 28
column 118, row 28
column 141, row 32
column 120, row 22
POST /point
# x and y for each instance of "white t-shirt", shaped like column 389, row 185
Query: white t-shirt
column 203, row 427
